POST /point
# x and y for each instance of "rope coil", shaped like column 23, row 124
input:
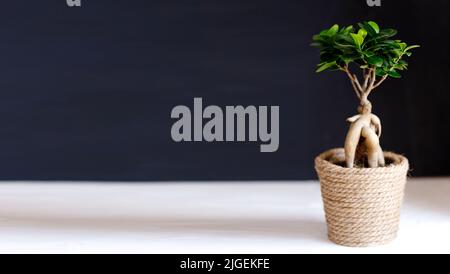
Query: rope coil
column 362, row 205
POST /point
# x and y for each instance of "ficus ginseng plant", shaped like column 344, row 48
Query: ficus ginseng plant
column 378, row 55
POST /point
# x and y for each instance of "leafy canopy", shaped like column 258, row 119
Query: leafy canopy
column 368, row 46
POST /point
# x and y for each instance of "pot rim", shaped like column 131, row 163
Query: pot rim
column 399, row 162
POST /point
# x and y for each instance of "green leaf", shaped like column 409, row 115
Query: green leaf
column 316, row 44
column 387, row 33
column 368, row 53
column 348, row 29
column 402, row 65
column 325, row 66
column 374, row 26
column 357, row 39
column 397, row 52
column 362, row 33
column 383, row 35
column 412, row 47
column 331, row 31
column 344, row 38
column 394, row 74
column 402, row 46
column 345, row 48
column 319, row 38
column 375, row 60
column 372, row 29
column 380, row 72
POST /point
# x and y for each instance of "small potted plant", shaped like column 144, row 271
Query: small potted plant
column 362, row 186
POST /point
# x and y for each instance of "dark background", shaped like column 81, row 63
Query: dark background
column 86, row 93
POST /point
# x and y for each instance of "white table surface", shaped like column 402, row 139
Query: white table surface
column 207, row 217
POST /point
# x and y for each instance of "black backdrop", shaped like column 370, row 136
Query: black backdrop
column 86, row 93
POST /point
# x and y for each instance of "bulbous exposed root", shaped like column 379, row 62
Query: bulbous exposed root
column 362, row 144
column 372, row 144
column 364, row 155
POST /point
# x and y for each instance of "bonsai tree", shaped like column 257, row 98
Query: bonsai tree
column 378, row 56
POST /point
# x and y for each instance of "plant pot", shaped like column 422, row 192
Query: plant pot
column 362, row 205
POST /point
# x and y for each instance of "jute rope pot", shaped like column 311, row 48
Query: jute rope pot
column 362, row 205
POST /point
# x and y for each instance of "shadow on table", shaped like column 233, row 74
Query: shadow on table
column 434, row 196
column 309, row 229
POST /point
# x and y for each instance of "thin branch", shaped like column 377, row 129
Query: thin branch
column 358, row 84
column 379, row 82
column 373, row 79
column 372, row 82
column 366, row 78
column 355, row 82
column 356, row 89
